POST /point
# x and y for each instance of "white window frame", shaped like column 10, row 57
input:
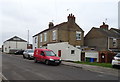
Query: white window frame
column 54, row 35
column 40, row 37
column 45, row 37
column 78, row 37
column 114, row 42
column 35, row 39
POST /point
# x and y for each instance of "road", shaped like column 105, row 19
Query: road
column 14, row 67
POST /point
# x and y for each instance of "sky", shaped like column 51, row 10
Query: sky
column 19, row 16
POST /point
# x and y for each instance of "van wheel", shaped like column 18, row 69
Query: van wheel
column 35, row 60
column 46, row 62
column 24, row 57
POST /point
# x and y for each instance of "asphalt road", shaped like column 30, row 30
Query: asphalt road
column 14, row 67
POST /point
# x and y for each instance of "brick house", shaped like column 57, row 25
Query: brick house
column 103, row 39
column 64, row 32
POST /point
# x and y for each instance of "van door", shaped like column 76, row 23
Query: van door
column 42, row 56
column 37, row 55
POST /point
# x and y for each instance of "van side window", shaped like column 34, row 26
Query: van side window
column 42, row 53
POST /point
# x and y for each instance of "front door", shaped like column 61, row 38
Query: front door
column 59, row 53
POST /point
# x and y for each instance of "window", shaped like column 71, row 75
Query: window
column 72, row 51
column 45, row 37
column 40, row 37
column 78, row 35
column 49, row 53
column 16, row 38
column 54, row 35
column 35, row 39
column 114, row 42
column 42, row 53
column 5, row 49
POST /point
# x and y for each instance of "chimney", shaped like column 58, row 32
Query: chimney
column 104, row 26
column 71, row 18
column 51, row 25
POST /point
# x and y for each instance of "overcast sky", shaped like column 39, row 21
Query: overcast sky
column 17, row 16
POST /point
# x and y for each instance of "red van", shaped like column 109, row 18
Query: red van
column 47, row 56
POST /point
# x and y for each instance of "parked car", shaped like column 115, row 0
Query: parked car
column 28, row 54
column 116, row 60
column 47, row 56
column 19, row 52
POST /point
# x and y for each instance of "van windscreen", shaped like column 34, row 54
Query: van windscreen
column 49, row 53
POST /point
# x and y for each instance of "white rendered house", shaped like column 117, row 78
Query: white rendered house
column 14, row 43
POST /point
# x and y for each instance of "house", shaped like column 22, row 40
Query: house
column 64, row 32
column 13, row 44
column 103, row 38
column 66, row 51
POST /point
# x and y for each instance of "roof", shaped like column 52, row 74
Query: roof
column 113, row 32
column 15, row 38
column 43, row 49
column 57, row 26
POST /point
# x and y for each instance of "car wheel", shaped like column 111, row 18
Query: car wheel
column 47, row 62
column 24, row 57
column 35, row 60
column 114, row 66
column 29, row 57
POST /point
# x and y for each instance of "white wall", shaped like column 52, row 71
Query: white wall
column 92, row 54
column 66, row 51
column 14, row 45
column 35, row 44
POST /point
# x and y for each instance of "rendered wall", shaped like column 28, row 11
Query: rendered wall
column 14, row 45
column 66, row 51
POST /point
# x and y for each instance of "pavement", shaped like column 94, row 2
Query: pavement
column 99, row 69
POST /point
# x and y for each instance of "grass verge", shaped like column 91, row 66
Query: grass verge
column 109, row 65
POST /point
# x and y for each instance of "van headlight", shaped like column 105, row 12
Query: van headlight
column 51, row 59
column 60, row 59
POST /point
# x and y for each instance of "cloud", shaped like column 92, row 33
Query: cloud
column 17, row 16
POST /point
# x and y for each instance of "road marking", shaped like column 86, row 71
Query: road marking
column 3, row 77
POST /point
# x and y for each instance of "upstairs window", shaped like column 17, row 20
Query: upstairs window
column 40, row 37
column 45, row 37
column 114, row 42
column 78, row 35
column 54, row 35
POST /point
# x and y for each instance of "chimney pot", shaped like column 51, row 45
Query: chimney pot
column 104, row 26
column 71, row 18
column 51, row 25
